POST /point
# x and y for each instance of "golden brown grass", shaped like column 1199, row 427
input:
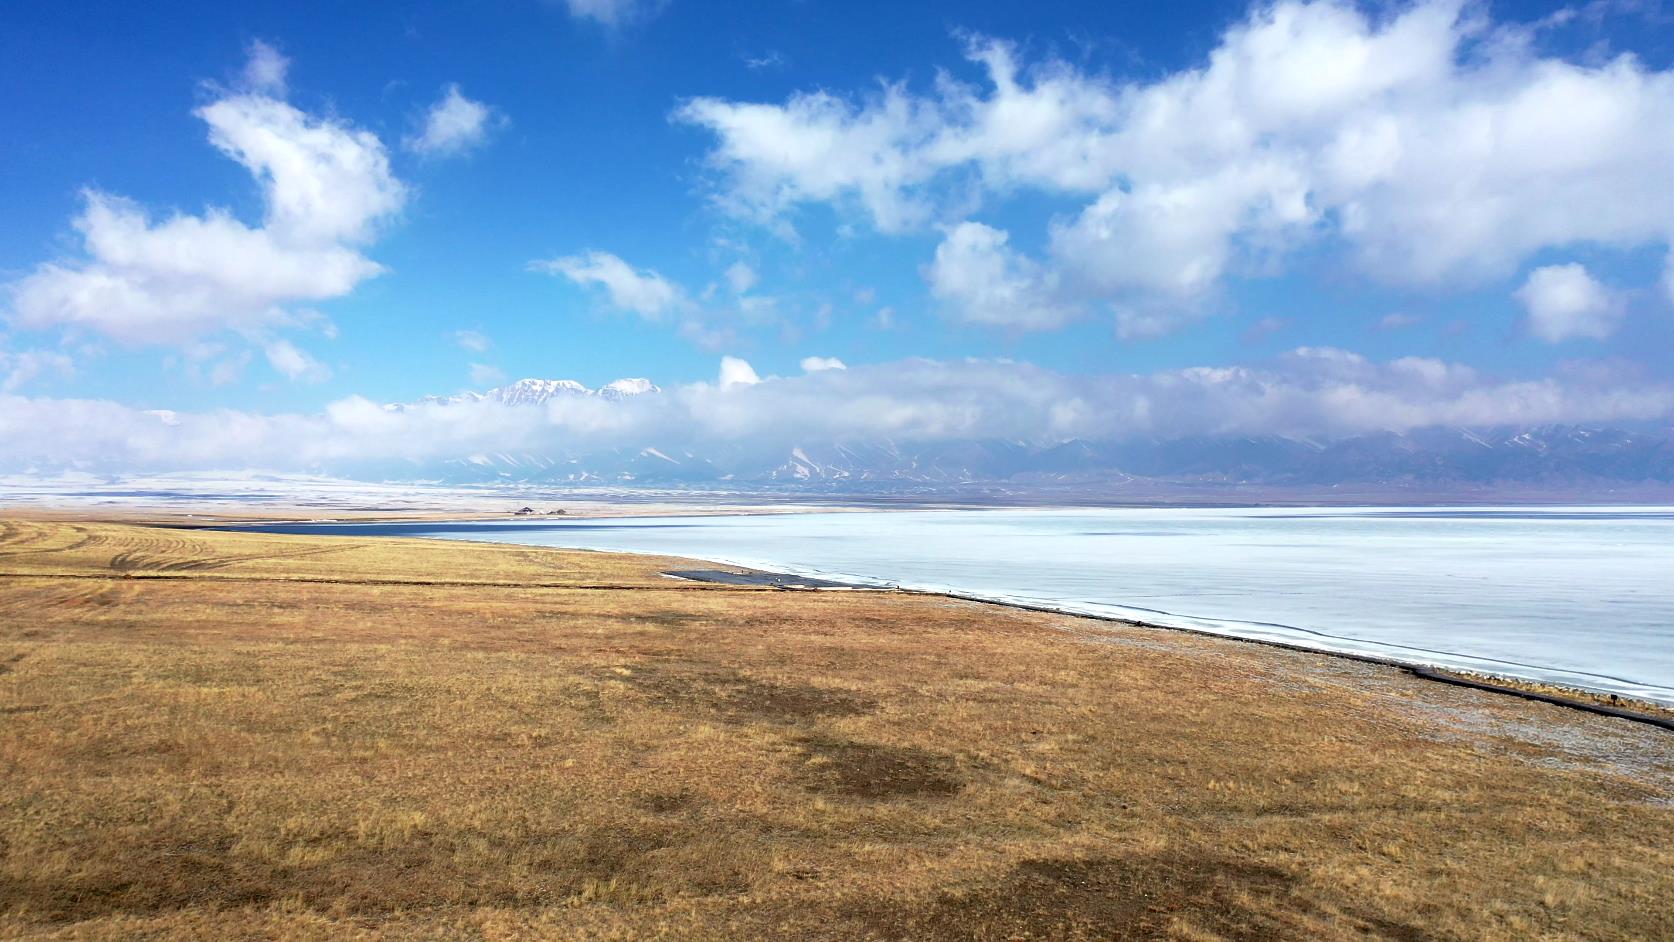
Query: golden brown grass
column 247, row 736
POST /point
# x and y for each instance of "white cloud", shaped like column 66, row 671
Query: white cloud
column 772, row 59
column 642, row 291
column 1311, row 391
column 295, row 364
column 709, row 321
column 170, row 281
column 740, row 277
column 264, row 69
column 1429, row 143
column 614, row 12
column 982, row 281
column 1565, row 302
column 21, row 367
column 454, row 125
column 817, row 147
column 820, row 364
column 325, row 186
column 323, row 181
column 1175, row 241
column 474, row 341
column 736, row 372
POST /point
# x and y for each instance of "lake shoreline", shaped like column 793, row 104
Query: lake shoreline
column 1577, row 698
column 1402, row 626
column 440, row 738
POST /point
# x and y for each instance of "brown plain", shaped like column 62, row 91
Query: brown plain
column 233, row 735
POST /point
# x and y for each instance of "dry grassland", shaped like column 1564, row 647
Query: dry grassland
column 247, row 736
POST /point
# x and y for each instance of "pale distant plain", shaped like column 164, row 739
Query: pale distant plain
column 1576, row 596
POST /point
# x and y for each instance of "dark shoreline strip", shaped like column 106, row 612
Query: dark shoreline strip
column 1602, row 709
column 785, row 581
column 773, row 580
column 1423, row 673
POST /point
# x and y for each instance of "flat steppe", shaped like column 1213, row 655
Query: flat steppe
column 236, row 735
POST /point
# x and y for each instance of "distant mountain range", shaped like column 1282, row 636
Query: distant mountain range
column 1563, row 458
column 534, row 392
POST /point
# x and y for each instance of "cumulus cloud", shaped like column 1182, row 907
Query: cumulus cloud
column 1566, row 302
column 1310, row 391
column 820, row 364
column 454, row 125
column 641, row 291
column 736, row 372
column 1432, row 144
column 982, row 281
column 325, row 186
column 323, row 181
column 819, row 148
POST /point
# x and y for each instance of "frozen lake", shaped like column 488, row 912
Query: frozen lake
column 1578, row 596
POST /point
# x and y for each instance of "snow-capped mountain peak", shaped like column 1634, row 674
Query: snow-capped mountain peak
column 627, row 388
column 534, row 392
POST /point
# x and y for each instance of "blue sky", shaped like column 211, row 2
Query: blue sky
column 1165, row 189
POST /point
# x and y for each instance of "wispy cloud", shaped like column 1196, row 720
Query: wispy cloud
column 265, row 69
column 472, row 340
column 296, row 364
column 1263, row 328
column 19, row 368
column 772, row 59
column 615, row 13
column 642, row 291
column 454, row 125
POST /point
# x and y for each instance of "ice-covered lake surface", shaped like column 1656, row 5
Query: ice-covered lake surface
column 1579, row 596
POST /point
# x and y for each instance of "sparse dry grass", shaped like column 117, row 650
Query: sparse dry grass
column 248, row 736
